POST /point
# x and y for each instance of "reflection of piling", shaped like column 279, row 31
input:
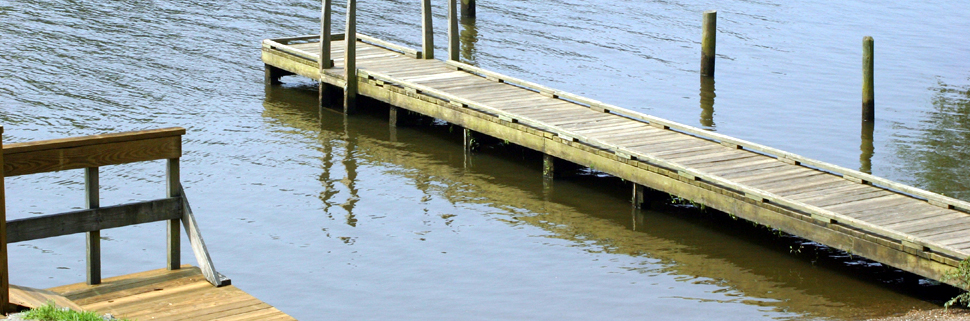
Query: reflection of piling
column 707, row 102
column 867, row 148
column 708, row 43
column 468, row 9
column 325, row 60
column 868, row 92
column 469, row 36
column 350, row 58
column 427, row 29
column 453, row 45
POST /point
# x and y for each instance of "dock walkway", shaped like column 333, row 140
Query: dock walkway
column 902, row 226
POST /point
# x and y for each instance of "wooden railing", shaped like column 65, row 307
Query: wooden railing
column 90, row 153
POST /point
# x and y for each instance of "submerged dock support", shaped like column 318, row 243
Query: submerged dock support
column 93, row 200
column 708, row 43
column 272, row 74
column 638, row 195
column 468, row 9
column 469, row 138
column 350, row 58
column 548, row 167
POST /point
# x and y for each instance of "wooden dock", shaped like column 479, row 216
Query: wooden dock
column 177, row 292
column 902, row 226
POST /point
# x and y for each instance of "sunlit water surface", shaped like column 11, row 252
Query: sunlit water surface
column 327, row 217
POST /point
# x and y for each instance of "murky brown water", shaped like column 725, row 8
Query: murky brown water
column 328, row 217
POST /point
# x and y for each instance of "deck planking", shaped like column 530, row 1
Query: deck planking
column 835, row 208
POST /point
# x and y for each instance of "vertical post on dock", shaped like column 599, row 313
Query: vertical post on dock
column 427, row 30
column 173, row 189
column 468, row 9
column 92, row 201
column 454, row 46
column 326, row 62
column 708, row 43
column 868, row 91
column 350, row 58
column 4, row 271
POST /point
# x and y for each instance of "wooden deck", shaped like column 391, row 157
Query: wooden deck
column 902, row 226
column 182, row 294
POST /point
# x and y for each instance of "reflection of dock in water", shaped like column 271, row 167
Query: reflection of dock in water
column 902, row 226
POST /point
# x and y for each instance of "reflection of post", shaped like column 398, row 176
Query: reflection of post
column 638, row 197
column 325, row 61
column 392, row 120
column 469, row 140
column 707, row 102
column 350, row 165
column 867, row 147
column 469, row 36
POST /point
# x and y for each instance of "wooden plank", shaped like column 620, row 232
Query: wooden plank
column 819, row 178
column 833, row 190
column 81, row 221
column 34, row 298
column 61, row 143
column 747, row 170
column 567, row 121
column 82, row 154
column 785, row 172
column 736, row 163
column 918, row 222
column 79, row 292
column 791, row 178
column 869, row 203
column 677, row 148
column 821, row 187
column 139, row 292
column 712, row 158
column 941, row 227
column 843, row 198
column 684, row 151
column 198, row 246
column 652, row 143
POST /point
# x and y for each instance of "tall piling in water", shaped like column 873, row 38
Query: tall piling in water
column 350, row 58
column 454, row 46
column 427, row 30
column 708, row 43
column 468, row 9
column 868, row 91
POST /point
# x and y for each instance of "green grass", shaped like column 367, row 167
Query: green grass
column 49, row 312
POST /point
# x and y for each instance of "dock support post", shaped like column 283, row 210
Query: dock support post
column 350, row 58
column 548, row 167
column 868, row 91
column 427, row 30
column 92, row 201
column 272, row 74
column 638, row 198
column 4, row 271
column 468, row 9
column 708, row 43
column 469, row 140
column 173, row 186
column 454, row 46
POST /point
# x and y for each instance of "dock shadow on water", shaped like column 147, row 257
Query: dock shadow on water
column 673, row 260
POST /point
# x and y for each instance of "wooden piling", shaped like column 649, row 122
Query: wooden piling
column 271, row 75
column 325, row 61
column 454, row 46
column 350, row 58
column 468, row 9
column 173, row 189
column 708, row 43
column 93, row 200
column 638, row 192
column 4, row 271
column 469, row 139
column 868, row 90
column 548, row 167
column 427, row 30
column 392, row 116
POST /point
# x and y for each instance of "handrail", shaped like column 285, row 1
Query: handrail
column 90, row 153
column 754, row 193
column 853, row 175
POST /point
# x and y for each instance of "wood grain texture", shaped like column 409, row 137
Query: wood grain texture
column 40, row 158
column 88, row 220
column 34, row 298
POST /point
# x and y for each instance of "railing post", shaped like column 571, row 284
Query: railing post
column 350, row 58
column 93, row 200
column 427, row 30
column 325, row 61
column 173, row 245
column 4, row 278
column 454, row 47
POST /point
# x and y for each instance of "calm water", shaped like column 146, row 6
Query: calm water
column 328, row 217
